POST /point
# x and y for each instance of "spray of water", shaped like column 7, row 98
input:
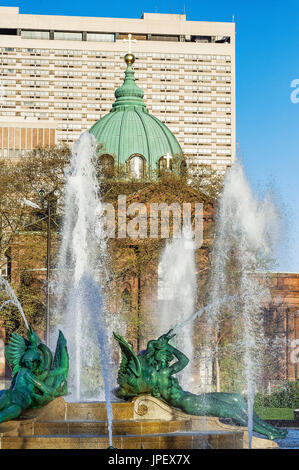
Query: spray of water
column 92, row 298
column 7, row 291
column 79, row 301
column 177, row 292
column 78, row 256
column 199, row 312
column 246, row 232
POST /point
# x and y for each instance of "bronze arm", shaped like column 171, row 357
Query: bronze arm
column 182, row 362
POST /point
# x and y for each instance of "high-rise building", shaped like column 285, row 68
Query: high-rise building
column 58, row 76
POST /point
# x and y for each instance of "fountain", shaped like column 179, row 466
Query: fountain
column 245, row 234
column 79, row 293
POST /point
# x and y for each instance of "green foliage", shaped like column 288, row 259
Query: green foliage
column 287, row 396
column 275, row 413
column 231, row 368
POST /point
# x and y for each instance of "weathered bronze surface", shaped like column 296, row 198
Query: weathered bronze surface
column 37, row 378
column 150, row 372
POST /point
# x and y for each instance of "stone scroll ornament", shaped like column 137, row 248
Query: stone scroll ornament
column 151, row 372
column 37, row 377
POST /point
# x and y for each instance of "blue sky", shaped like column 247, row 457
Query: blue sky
column 267, row 54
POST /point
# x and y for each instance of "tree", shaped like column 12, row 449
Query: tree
column 23, row 228
column 22, row 179
column 207, row 180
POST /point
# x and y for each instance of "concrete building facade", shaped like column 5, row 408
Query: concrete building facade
column 64, row 70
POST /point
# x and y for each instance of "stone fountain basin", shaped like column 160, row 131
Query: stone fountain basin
column 145, row 422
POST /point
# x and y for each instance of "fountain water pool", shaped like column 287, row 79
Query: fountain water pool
column 291, row 441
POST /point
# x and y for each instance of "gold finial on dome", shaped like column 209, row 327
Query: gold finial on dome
column 129, row 58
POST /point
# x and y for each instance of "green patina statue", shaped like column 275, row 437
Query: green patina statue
column 151, row 373
column 37, row 378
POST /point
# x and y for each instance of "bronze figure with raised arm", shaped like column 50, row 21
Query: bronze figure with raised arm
column 151, row 372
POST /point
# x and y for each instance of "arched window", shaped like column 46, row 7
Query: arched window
column 106, row 165
column 165, row 162
column 136, row 166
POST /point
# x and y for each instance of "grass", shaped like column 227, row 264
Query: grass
column 275, row 413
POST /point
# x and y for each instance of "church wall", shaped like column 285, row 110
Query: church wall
column 285, row 290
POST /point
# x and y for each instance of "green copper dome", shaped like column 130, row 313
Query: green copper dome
column 130, row 130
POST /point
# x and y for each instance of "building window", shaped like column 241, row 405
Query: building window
column 136, row 166
column 8, row 31
column 35, row 35
column 160, row 37
column 106, row 165
column 67, row 36
column 139, row 37
column 99, row 37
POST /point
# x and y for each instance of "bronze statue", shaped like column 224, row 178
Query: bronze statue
column 150, row 372
column 37, row 378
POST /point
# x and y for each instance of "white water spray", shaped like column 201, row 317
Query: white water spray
column 80, row 306
column 199, row 312
column 177, row 293
column 92, row 300
column 246, row 231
